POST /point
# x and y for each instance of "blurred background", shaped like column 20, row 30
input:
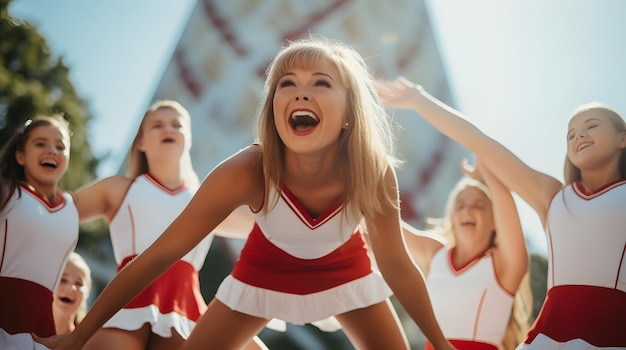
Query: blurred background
column 517, row 68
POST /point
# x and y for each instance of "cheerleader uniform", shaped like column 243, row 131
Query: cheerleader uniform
column 471, row 306
column 301, row 269
column 37, row 238
column 585, row 306
column 174, row 300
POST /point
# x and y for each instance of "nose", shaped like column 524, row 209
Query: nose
column 302, row 94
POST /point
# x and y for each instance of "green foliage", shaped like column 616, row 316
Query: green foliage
column 34, row 82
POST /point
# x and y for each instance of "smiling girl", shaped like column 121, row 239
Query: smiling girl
column 323, row 163
column 69, row 303
column 585, row 306
column 38, row 227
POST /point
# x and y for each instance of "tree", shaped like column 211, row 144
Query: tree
column 34, row 82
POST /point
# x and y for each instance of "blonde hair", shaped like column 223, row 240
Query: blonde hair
column 571, row 172
column 81, row 264
column 137, row 162
column 366, row 146
column 518, row 323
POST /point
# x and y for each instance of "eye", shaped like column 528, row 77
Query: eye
column 322, row 83
column 286, row 83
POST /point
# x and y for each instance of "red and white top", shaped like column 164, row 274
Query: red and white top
column 302, row 269
column 586, row 299
column 469, row 303
column 174, row 300
column 36, row 239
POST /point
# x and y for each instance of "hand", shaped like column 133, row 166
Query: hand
column 472, row 171
column 399, row 93
column 56, row 342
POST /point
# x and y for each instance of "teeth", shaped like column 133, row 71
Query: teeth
column 296, row 114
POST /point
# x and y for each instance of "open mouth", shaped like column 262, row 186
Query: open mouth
column 303, row 120
column 168, row 140
column 49, row 164
column 583, row 146
column 66, row 300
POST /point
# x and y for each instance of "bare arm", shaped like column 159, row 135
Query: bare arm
column 101, row 198
column 421, row 245
column 399, row 271
column 232, row 184
column 536, row 188
column 237, row 225
column 510, row 254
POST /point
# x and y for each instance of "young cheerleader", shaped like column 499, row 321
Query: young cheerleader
column 38, row 228
column 323, row 162
column 475, row 261
column 159, row 183
column 69, row 304
column 585, row 306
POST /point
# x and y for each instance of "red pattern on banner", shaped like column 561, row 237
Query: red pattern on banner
column 192, row 85
column 222, row 26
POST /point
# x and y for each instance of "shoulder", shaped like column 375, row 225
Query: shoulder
column 246, row 162
column 113, row 186
column 239, row 178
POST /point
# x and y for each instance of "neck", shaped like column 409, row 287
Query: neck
column 48, row 192
column 593, row 181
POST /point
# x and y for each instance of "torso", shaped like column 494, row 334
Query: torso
column 147, row 210
column 37, row 239
column 468, row 301
column 587, row 267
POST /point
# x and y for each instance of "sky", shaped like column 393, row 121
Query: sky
column 517, row 68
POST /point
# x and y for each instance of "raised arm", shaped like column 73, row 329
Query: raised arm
column 536, row 188
column 399, row 271
column 510, row 254
column 232, row 184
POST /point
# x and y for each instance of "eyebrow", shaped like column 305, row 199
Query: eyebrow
column 586, row 121
column 314, row 74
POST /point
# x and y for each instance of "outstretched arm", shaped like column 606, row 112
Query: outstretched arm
column 536, row 188
column 399, row 271
column 421, row 245
column 229, row 186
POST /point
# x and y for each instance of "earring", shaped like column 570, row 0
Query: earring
column 346, row 124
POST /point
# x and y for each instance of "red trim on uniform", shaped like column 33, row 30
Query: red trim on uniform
column 478, row 313
column 294, row 204
column 583, row 193
column 464, row 345
column 594, row 314
column 133, row 231
column 176, row 290
column 264, row 265
column 4, row 242
column 162, row 187
column 459, row 270
column 619, row 269
column 26, row 307
column 52, row 208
